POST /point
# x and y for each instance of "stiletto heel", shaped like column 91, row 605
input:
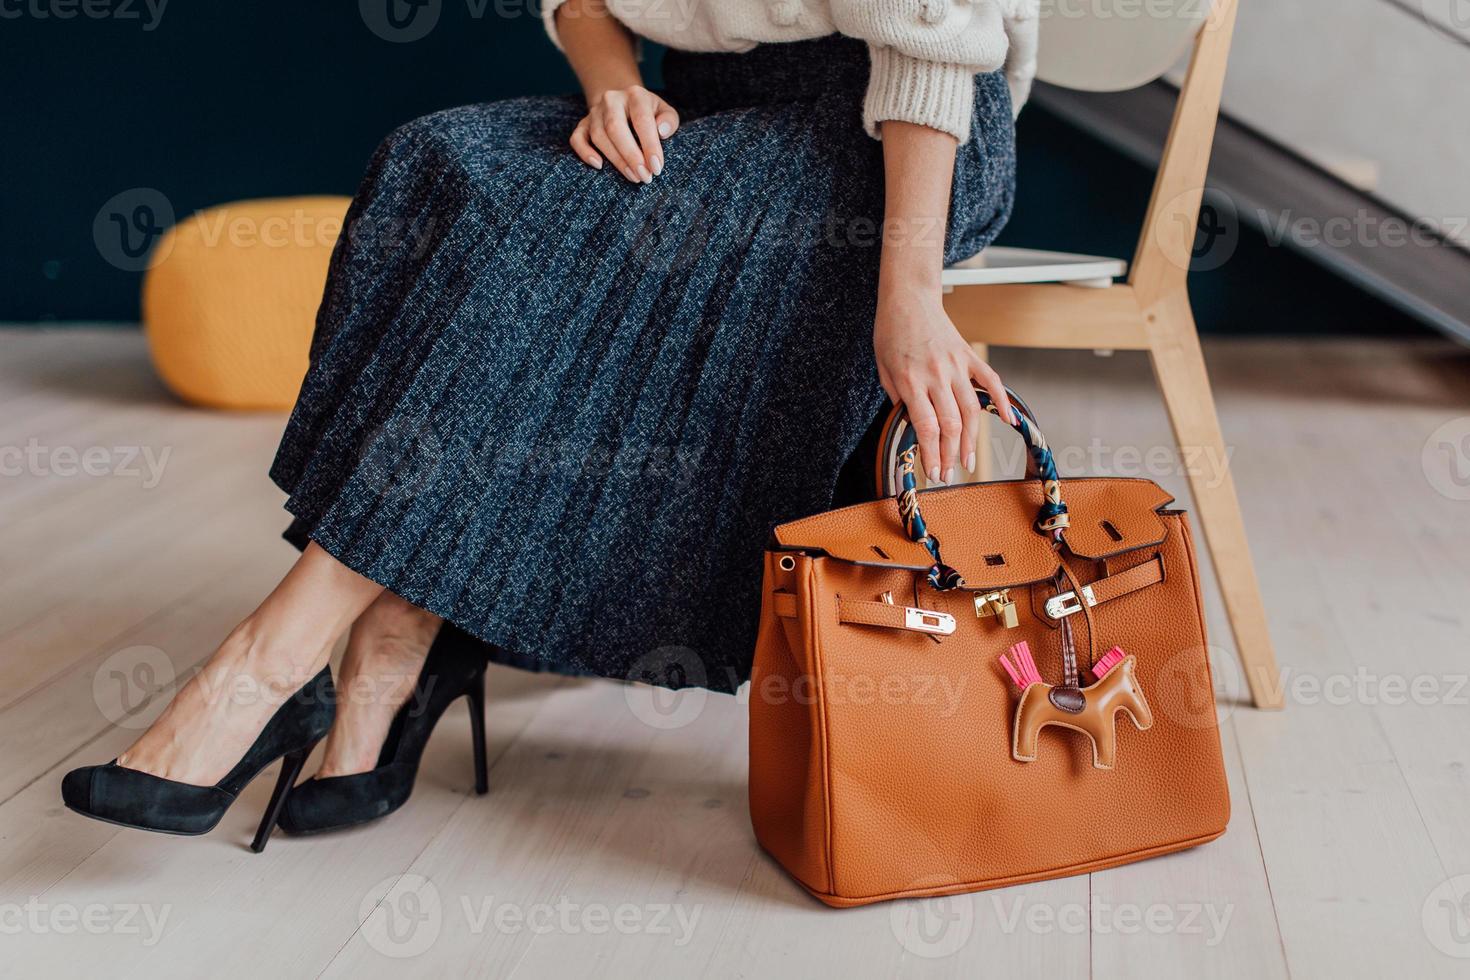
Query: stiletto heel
column 476, row 698
column 453, row 669
column 291, row 766
column 133, row 798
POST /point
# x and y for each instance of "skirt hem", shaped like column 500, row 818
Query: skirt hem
column 300, row 534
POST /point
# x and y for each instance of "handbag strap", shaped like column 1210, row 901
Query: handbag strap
column 1051, row 519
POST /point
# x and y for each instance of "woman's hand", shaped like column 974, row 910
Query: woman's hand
column 923, row 361
column 925, row 364
column 625, row 123
column 626, row 127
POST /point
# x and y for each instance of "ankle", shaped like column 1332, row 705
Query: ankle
column 278, row 665
column 394, row 621
column 386, row 651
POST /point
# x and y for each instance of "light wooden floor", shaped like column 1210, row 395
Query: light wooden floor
column 611, row 847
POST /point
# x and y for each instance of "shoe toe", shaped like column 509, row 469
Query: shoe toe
column 76, row 788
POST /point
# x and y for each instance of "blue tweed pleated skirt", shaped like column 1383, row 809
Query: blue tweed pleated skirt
column 564, row 411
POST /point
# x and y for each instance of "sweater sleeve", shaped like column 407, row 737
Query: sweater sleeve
column 1022, row 28
column 926, row 53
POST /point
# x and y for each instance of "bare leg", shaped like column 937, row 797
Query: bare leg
column 279, row 647
column 385, row 652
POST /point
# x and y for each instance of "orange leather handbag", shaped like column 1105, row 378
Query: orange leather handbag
column 1028, row 700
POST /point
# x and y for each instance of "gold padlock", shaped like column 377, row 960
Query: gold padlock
column 999, row 605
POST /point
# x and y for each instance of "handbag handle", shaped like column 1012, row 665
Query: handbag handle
column 898, row 449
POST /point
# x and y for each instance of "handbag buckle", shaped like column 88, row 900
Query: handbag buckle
column 928, row 621
column 1065, row 604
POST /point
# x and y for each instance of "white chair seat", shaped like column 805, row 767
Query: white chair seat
column 996, row 265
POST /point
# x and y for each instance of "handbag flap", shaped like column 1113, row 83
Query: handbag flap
column 985, row 529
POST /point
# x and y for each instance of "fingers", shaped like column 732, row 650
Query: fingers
column 947, row 412
column 947, row 418
column 615, row 124
column 972, row 416
column 582, row 146
column 598, row 134
column 641, row 115
column 667, row 119
column 626, row 127
column 984, row 376
column 926, row 430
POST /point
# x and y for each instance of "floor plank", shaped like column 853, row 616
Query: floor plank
column 1350, row 857
column 1347, row 809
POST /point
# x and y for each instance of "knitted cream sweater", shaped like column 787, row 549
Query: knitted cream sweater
column 925, row 53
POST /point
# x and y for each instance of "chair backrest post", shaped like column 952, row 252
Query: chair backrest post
column 1166, row 244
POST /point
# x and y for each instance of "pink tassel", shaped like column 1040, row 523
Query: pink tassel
column 1015, row 677
column 1107, row 662
column 1023, row 672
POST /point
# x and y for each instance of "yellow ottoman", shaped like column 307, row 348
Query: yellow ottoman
column 231, row 297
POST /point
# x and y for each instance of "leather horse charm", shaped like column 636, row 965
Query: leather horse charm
column 1090, row 710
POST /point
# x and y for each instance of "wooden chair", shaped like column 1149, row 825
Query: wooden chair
column 1023, row 298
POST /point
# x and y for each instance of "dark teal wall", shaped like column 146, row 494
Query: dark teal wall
column 214, row 102
column 219, row 101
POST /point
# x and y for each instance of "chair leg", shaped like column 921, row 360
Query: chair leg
column 985, row 449
column 1180, row 369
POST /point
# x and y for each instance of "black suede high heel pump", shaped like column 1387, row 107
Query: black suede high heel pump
column 450, row 671
column 132, row 798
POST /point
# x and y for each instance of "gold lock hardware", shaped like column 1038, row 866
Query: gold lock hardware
column 999, row 605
